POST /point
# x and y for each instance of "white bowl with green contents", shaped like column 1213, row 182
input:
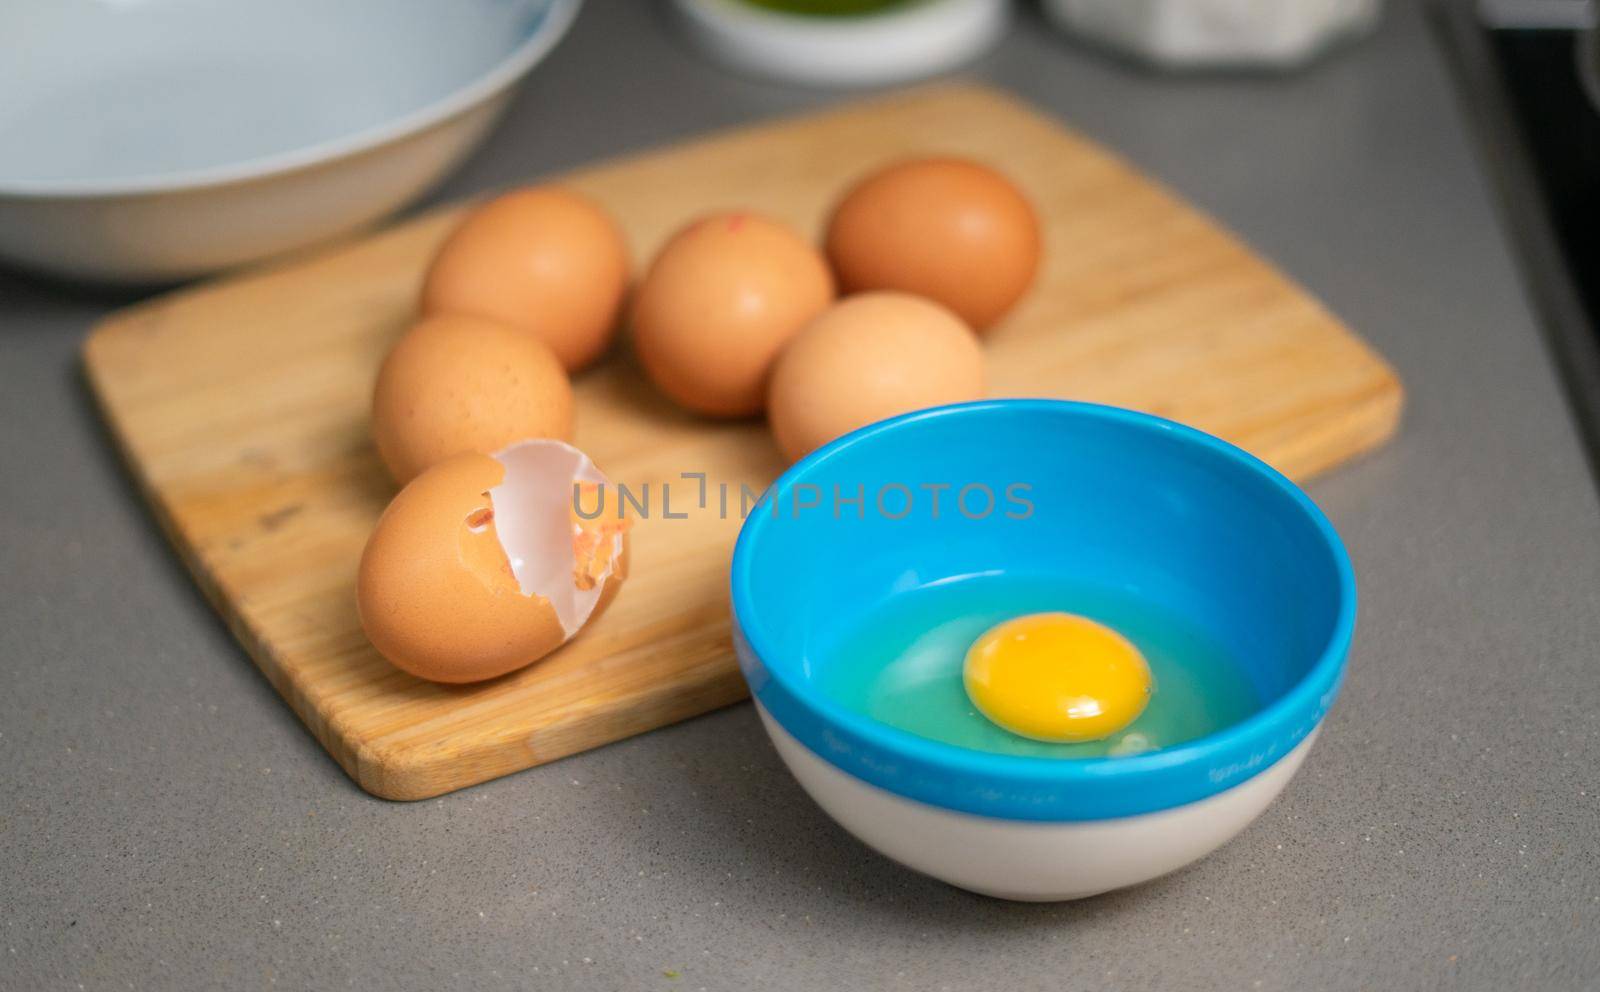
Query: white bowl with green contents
column 844, row 42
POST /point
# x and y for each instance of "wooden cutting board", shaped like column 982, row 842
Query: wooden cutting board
column 241, row 407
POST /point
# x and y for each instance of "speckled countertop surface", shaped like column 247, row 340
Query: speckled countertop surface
column 165, row 822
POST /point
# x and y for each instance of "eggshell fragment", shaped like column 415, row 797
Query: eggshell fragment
column 718, row 304
column 868, row 357
column 539, row 528
column 471, row 571
column 950, row 229
column 455, row 383
column 546, row 260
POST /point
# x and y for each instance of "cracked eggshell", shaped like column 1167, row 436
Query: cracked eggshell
column 471, row 572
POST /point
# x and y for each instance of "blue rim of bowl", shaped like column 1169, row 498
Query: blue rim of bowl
column 1036, row 788
column 550, row 27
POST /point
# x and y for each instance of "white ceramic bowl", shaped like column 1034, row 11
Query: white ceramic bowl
column 901, row 43
column 163, row 139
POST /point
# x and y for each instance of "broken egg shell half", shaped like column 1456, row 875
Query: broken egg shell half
column 472, row 571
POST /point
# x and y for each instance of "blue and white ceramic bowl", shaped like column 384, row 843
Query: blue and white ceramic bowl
column 1119, row 498
column 160, row 139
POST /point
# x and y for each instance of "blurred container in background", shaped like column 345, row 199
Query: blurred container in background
column 844, row 42
column 1184, row 34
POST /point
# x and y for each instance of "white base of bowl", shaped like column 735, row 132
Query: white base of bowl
column 163, row 236
column 1030, row 860
column 865, row 50
column 161, row 141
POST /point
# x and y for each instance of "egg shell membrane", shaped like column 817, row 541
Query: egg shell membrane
column 533, row 520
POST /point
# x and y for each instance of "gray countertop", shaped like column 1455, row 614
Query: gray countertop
column 166, row 823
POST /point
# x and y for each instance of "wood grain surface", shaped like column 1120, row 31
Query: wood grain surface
column 241, row 409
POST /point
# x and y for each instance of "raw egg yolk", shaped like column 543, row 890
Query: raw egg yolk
column 1057, row 677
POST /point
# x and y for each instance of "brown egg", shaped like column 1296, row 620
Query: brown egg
column 455, row 383
column 437, row 590
column 949, row 229
column 869, row 357
column 718, row 304
column 546, row 260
